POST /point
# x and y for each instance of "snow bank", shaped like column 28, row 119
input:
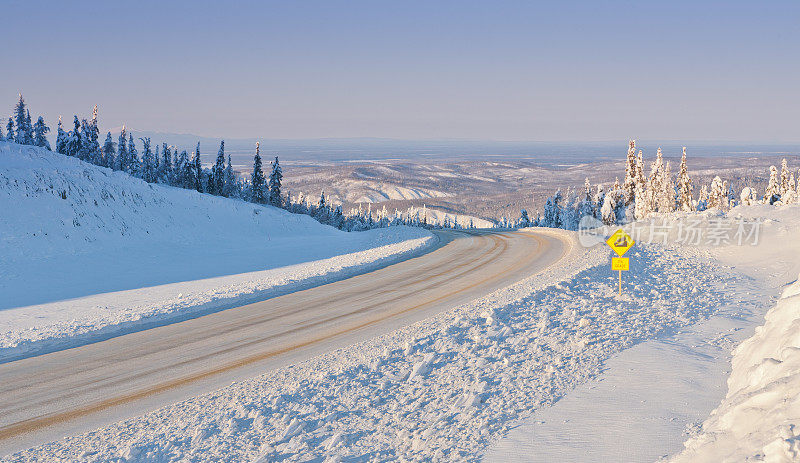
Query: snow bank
column 87, row 252
column 759, row 419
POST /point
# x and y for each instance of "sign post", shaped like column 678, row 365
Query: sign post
column 620, row 242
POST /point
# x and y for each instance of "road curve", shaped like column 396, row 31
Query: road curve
column 63, row 393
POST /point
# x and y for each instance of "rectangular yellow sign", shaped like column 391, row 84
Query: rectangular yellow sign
column 620, row 263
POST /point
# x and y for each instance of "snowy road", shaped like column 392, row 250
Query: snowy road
column 62, row 393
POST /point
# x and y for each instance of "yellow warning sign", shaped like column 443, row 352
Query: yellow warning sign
column 620, row 263
column 620, row 242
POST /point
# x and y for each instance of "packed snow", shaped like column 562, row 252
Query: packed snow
column 157, row 254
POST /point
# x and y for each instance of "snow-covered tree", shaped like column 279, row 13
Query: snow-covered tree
column 166, row 173
column 608, row 210
column 773, row 192
column 121, row 163
column 275, row 178
column 133, row 166
column 61, row 139
column 655, row 183
column 24, row 134
column 717, row 196
column 2, row 136
column 109, row 151
column 684, row 186
column 148, row 162
column 10, row 130
column 641, row 202
column 666, row 197
column 198, row 169
column 218, row 171
column 231, row 186
column 524, row 220
column 702, row 199
column 790, row 195
column 748, row 196
column 784, row 177
column 74, row 139
column 552, row 211
column 257, row 181
column 630, row 172
column 90, row 143
column 40, row 134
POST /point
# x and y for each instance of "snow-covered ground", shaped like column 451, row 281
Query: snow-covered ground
column 444, row 388
column 88, row 253
column 650, row 397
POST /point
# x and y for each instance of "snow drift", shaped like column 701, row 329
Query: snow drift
column 760, row 416
column 83, row 246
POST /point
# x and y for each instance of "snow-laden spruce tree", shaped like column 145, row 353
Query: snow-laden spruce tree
column 257, row 181
column 607, row 211
column 655, row 182
column 218, row 171
column 773, row 192
column 90, row 140
column 784, row 180
column 2, row 136
column 198, row 169
column 630, row 172
column 24, row 133
column 702, row 199
column 74, row 139
column 61, row 138
column 748, row 196
column 275, row 178
column 40, row 130
column 717, row 196
column 109, row 151
column 586, row 205
column 524, row 220
column 10, row 130
column 790, row 195
column 684, row 186
column 666, row 197
column 148, row 172
column 134, row 166
column 231, row 186
column 123, row 160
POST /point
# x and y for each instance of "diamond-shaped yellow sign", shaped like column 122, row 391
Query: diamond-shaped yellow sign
column 620, row 242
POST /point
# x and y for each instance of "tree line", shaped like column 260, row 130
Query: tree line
column 167, row 165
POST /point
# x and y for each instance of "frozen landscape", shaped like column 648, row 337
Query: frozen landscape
column 500, row 232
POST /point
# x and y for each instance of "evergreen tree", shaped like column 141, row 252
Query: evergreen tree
column 231, row 186
column 198, row 170
column 717, row 196
column 24, row 135
column 524, row 220
column 655, row 183
column 166, row 174
column 630, row 172
column 773, row 191
column 148, row 162
column 109, row 152
column 218, row 171
column 40, row 134
column 257, row 181
column 666, row 197
column 684, row 186
column 29, row 127
column 784, row 177
column 275, row 179
column 2, row 137
column 133, row 166
column 10, row 130
column 607, row 211
column 74, row 139
column 123, row 158
column 61, row 139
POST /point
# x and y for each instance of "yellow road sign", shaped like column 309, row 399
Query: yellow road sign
column 620, row 242
column 620, row 263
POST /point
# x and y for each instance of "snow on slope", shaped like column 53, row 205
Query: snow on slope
column 82, row 248
column 759, row 419
column 440, row 390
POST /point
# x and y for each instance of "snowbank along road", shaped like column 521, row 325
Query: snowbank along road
column 45, row 397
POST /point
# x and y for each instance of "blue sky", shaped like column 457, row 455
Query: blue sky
column 551, row 71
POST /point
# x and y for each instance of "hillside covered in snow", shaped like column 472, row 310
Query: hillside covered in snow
column 71, row 232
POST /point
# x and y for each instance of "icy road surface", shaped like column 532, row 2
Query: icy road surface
column 45, row 397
